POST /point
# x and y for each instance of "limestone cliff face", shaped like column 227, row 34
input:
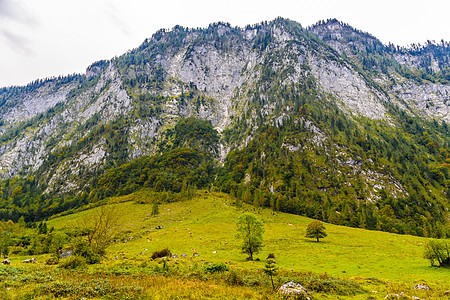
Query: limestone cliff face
column 32, row 104
column 351, row 91
column 212, row 74
column 429, row 99
column 392, row 67
column 51, row 130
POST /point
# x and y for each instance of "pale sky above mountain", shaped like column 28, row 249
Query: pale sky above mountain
column 45, row 38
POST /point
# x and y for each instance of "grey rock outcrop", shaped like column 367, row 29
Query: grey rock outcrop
column 394, row 296
column 421, row 286
column 431, row 100
column 350, row 89
column 292, row 290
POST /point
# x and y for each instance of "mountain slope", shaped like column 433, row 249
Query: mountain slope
column 417, row 77
column 303, row 121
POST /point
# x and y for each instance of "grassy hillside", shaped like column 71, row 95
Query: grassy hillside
column 348, row 263
column 210, row 218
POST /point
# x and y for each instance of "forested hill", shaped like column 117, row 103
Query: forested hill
column 326, row 122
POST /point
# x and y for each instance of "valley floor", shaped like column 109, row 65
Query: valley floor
column 348, row 264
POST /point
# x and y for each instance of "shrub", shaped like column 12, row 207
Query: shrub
column 271, row 270
column 438, row 252
column 212, row 268
column 90, row 289
column 324, row 283
column 82, row 249
column 52, row 261
column 235, row 279
column 162, row 253
column 73, row 262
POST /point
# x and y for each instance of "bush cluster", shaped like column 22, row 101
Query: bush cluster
column 162, row 253
column 438, row 252
column 82, row 249
column 73, row 262
column 213, row 268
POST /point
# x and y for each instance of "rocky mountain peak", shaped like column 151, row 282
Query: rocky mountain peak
column 343, row 37
column 271, row 109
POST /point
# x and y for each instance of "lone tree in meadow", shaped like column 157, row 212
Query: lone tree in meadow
column 250, row 230
column 99, row 228
column 316, row 230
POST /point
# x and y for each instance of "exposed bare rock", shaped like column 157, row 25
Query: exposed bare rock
column 350, row 89
column 431, row 100
column 292, row 290
column 32, row 104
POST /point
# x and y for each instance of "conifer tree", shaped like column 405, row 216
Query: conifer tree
column 271, row 269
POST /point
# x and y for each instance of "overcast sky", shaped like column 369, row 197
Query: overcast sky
column 44, row 38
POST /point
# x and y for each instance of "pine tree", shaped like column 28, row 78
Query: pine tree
column 271, row 269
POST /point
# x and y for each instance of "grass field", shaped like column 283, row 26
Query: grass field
column 381, row 263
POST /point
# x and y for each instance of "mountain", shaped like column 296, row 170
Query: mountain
column 326, row 122
column 418, row 76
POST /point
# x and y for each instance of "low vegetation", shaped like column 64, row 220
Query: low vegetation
column 190, row 250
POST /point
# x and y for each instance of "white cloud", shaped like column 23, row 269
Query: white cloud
column 17, row 42
column 117, row 20
column 66, row 36
column 17, row 24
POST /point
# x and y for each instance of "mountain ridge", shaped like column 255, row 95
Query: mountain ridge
column 300, row 123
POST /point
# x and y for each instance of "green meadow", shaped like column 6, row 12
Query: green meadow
column 352, row 263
